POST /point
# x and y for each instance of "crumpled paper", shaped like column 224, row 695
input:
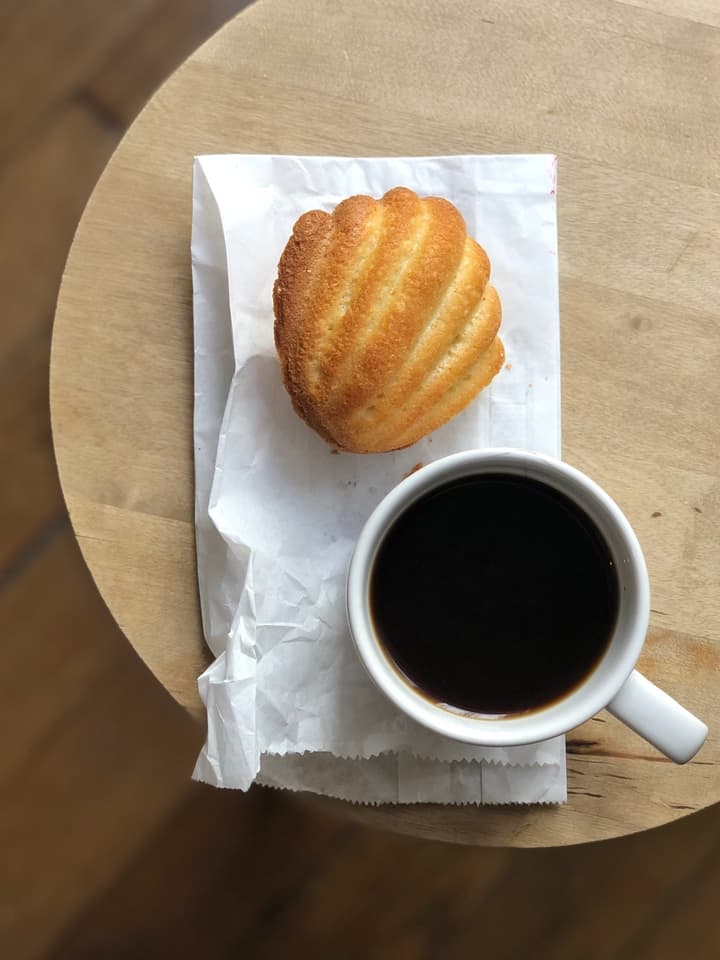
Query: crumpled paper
column 277, row 512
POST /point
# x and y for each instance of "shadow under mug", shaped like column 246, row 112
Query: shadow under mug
column 613, row 683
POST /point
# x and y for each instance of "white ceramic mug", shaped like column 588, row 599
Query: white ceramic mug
column 613, row 683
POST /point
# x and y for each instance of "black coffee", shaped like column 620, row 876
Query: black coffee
column 494, row 594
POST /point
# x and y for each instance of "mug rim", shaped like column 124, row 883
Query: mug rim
column 543, row 723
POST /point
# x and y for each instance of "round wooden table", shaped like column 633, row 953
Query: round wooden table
column 627, row 97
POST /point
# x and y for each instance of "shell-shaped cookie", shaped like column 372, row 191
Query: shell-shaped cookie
column 385, row 321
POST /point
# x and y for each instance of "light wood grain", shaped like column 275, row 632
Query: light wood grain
column 628, row 101
column 701, row 11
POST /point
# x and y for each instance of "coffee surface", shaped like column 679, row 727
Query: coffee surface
column 494, row 594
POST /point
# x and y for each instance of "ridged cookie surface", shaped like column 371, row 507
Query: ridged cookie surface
column 385, row 321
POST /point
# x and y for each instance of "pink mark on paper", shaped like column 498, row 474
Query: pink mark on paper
column 553, row 174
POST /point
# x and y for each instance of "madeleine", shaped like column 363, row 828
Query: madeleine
column 386, row 323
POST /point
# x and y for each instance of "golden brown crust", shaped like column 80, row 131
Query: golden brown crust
column 385, row 322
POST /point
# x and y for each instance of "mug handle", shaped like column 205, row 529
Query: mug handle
column 658, row 718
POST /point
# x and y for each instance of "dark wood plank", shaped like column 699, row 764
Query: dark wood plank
column 454, row 902
column 256, row 863
column 384, row 897
column 286, row 882
column 95, row 757
column 49, row 49
column 58, row 641
column 42, row 193
column 43, row 189
column 595, row 901
column 30, row 495
column 692, row 926
column 220, row 870
column 167, row 35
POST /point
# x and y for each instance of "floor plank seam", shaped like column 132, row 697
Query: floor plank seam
column 103, row 115
column 32, row 549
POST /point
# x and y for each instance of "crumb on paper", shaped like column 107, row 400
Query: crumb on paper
column 656, row 514
column 508, row 366
column 697, row 509
column 529, row 386
column 418, row 466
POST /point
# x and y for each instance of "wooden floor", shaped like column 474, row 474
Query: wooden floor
column 106, row 849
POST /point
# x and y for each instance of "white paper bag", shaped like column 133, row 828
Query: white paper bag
column 277, row 513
